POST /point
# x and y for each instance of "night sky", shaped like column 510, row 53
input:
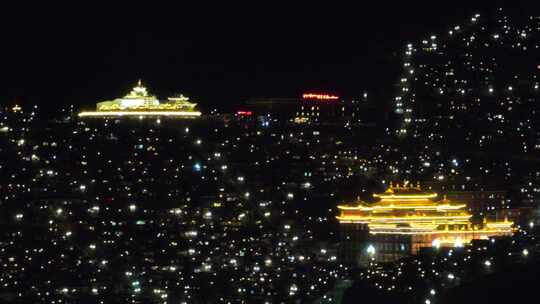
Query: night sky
column 54, row 56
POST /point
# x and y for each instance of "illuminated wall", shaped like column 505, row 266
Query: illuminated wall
column 139, row 103
column 405, row 219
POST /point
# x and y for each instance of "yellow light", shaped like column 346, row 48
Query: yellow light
column 140, row 113
column 405, row 196
column 402, row 212
column 392, row 206
column 402, row 218
column 481, row 233
column 505, row 224
column 394, row 227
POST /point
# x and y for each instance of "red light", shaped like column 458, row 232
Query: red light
column 319, row 96
column 244, row 113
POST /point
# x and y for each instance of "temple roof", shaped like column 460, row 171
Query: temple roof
column 407, row 192
column 138, row 91
column 407, row 209
column 407, row 196
column 406, row 188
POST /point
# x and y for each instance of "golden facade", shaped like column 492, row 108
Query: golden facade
column 405, row 219
column 139, row 102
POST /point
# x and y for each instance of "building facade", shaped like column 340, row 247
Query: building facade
column 405, row 219
column 310, row 108
column 140, row 103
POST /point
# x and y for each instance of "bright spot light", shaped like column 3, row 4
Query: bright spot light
column 458, row 243
column 370, row 250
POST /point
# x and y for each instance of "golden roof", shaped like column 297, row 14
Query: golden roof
column 408, row 210
column 407, row 196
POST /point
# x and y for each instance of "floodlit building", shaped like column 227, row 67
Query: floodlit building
column 140, row 103
column 405, row 219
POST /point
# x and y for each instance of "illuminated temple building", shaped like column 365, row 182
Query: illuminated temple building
column 139, row 103
column 405, row 219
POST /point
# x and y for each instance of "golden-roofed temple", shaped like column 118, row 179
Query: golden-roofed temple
column 406, row 218
column 140, row 103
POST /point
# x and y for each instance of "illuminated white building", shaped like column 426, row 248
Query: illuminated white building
column 140, row 103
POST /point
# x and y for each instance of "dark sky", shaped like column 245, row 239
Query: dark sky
column 55, row 55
